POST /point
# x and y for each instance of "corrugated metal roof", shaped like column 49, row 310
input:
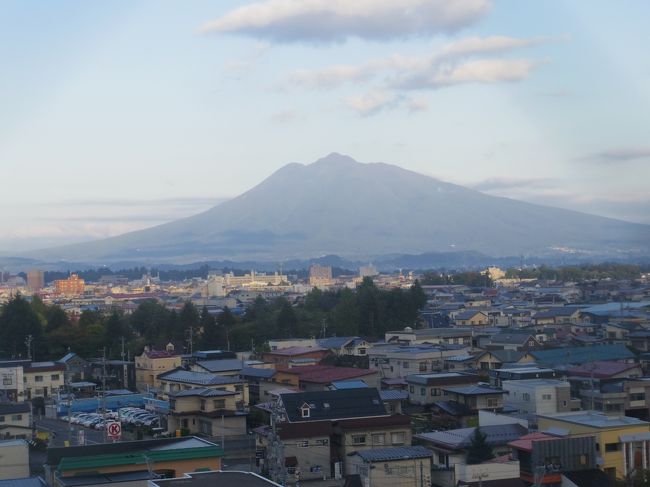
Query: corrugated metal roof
column 396, row 453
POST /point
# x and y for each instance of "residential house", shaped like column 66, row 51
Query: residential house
column 495, row 359
column 407, row 466
column 180, row 379
column 15, row 420
column 449, row 450
column 12, row 381
column 353, row 346
column 321, row 377
column 434, row 336
column 521, row 372
column 558, row 357
column 539, row 396
column 43, row 379
column 395, row 361
column 555, row 456
column 426, row 389
column 514, row 341
column 228, row 367
column 259, row 381
column 152, row 363
column 465, row 401
column 472, row 318
column 76, row 368
column 622, row 441
column 562, row 315
column 205, row 411
column 283, row 357
column 215, row 478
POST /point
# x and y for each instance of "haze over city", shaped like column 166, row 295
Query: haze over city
column 119, row 116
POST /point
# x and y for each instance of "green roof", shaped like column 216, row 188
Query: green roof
column 138, row 458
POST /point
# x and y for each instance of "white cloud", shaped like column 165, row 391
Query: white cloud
column 417, row 105
column 337, row 20
column 452, row 64
column 620, row 155
column 371, row 102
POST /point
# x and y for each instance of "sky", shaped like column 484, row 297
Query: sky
column 120, row 115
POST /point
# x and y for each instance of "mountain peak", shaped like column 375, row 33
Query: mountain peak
column 335, row 159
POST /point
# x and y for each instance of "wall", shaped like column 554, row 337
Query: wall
column 487, row 471
column 404, row 473
column 14, row 459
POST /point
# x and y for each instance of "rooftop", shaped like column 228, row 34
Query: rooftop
column 397, row 453
column 596, row 419
column 216, row 479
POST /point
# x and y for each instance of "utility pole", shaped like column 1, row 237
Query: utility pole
column 28, row 344
column 190, row 339
column 125, row 378
column 275, row 453
column 103, row 397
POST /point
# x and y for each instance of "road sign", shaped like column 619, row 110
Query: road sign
column 114, row 430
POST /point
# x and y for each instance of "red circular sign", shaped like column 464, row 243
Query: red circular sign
column 114, row 429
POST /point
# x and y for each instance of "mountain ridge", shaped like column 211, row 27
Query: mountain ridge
column 337, row 205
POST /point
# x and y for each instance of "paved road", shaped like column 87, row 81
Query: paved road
column 59, row 432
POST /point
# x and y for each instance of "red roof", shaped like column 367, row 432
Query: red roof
column 159, row 354
column 291, row 351
column 324, row 374
column 526, row 441
column 600, row 369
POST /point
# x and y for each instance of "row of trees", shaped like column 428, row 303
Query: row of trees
column 366, row 311
column 581, row 272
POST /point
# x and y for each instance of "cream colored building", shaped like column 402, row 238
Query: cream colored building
column 14, row 459
column 152, row 363
column 43, row 379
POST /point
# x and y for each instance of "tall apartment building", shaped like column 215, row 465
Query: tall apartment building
column 35, row 280
column 72, row 286
column 320, row 275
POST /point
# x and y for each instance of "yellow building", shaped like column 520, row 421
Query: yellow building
column 152, row 363
column 43, row 379
column 622, row 442
column 208, row 412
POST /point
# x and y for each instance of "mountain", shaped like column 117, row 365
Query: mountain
column 339, row 206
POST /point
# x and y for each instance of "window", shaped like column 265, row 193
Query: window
column 435, row 391
column 637, row 396
column 202, row 404
column 38, row 378
column 54, row 377
column 423, row 391
column 378, row 439
column 16, row 417
column 6, row 380
column 2, row 419
column 526, row 396
column 405, row 364
column 423, row 366
column 611, row 447
column 412, row 389
column 546, row 397
column 358, row 439
column 172, row 403
column 219, row 403
column 397, row 438
column 304, row 411
column 492, row 402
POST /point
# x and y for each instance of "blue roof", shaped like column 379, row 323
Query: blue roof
column 396, row 453
column 200, row 378
column 581, row 355
column 393, row 395
column 349, row 384
column 334, row 342
column 255, row 372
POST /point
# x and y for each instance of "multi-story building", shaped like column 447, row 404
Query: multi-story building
column 320, row 275
column 621, row 441
column 43, row 379
column 205, row 411
column 435, row 336
column 426, row 389
column 394, row 361
column 12, row 381
column 15, row 420
column 35, row 280
column 539, row 396
column 72, row 286
column 152, row 363
column 182, row 380
column 408, row 466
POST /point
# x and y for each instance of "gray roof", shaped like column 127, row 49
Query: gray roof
column 334, row 342
column 511, row 338
column 226, row 364
column 202, row 392
column 457, row 439
column 396, row 453
column 255, row 372
column 474, row 390
column 335, row 404
column 393, row 395
column 199, row 378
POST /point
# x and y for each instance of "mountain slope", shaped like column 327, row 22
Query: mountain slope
column 339, row 206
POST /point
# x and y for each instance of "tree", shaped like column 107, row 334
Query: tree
column 210, row 336
column 18, row 321
column 150, row 319
column 187, row 318
column 56, row 318
column 116, row 327
column 479, row 451
column 286, row 321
